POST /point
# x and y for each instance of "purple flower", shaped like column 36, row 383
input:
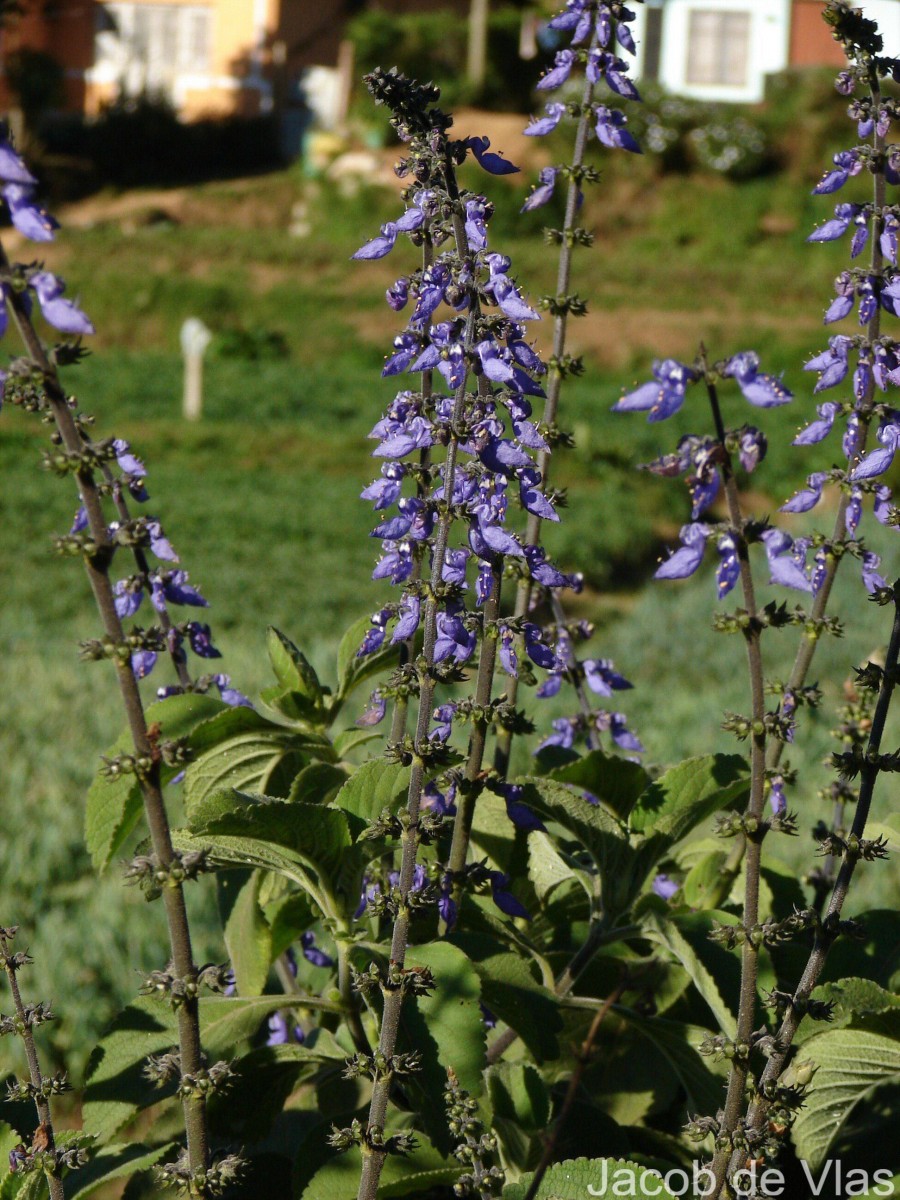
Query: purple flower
column 159, row 543
column 809, row 497
column 505, row 292
column 27, row 216
column 229, row 694
column 664, row 887
column 765, row 391
column 385, row 491
column 504, row 899
column 441, row 803
column 616, row 725
column 62, row 314
column 844, row 215
column 476, row 227
column 783, row 565
column 492, row 162
column 12, row 168
column 453, row 639
column 831, row 363
column 409, row 619
column 846, row 164
column 729, row 564
column 443, row 717
column 871, row 578
column 664, row 397
column 609, row 68
column 312, row 953
column 542, row 192
column 818, row 430
column 611, row 131
column 541, row 126
column 142, row 663
column 602, row 677
column 752, row 447
column 200, row 638
column 688, row 557
column 536, row 648
column 559, row 72
column 373, row 713
column 876, row 462
column 777, row 798
column 375, row 635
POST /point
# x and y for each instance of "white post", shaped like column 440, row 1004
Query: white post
column 195, row 338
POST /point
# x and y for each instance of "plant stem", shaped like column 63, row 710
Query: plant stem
column 827, row 930
column 551, row 403
column 753, row 844
column 97, row 567
column 55, row 1184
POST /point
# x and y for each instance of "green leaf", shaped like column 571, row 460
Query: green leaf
column 675, row 1044
column 244, row 762
column 114, row 806
column 690, row 792
column 317, row 784
column 858, row 1002
column 349, row 739
column 248, row 938
column 292, row 669
column 288, row 918
column 853, row 1064
column 447, row 1026
column 511, row 992
column 548, row 870
column 114, row 1162
column 666, row 933
column 702, row 878
column 594, row 830
column 582, row 1177
column 117, row 1088
column 353, row 671
column 317, row 836
column 414, row 1173
column 375, row 785
column 519, row 1094
column 616, row 782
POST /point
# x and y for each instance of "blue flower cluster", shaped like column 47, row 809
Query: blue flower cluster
column 166, row 583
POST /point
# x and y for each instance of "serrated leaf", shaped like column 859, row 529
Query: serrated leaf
column 318, row 836
column 114, row 806
column 853, row 1064
column 248, row 938
column 113, row 1162
column 415, row 1173
column 244, row 762
column 857, row 1001
column 616, row 782
column 666, row 933
column 373, row 786
column 581, row 1177
column 352, row 671
column 292, row 669
column 689, row 792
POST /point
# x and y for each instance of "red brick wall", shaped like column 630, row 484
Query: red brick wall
column 811, row 42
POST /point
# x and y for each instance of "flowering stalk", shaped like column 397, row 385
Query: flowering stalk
column 484, row 339
column 600, row 23
column 850, row 849
column 33, row 382
column 43, row 1155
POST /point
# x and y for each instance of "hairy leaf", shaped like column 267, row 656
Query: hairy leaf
column 248, row 938
column 582, row 1177
column 353, row 671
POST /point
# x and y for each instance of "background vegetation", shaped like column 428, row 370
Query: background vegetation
column 261, row 497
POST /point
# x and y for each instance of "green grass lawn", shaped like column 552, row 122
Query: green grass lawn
column 261, row 497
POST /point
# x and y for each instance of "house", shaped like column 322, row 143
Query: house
column 57, row 31
column 724, row 49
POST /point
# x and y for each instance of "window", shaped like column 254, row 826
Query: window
column 718, row 47
column 160, row 38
